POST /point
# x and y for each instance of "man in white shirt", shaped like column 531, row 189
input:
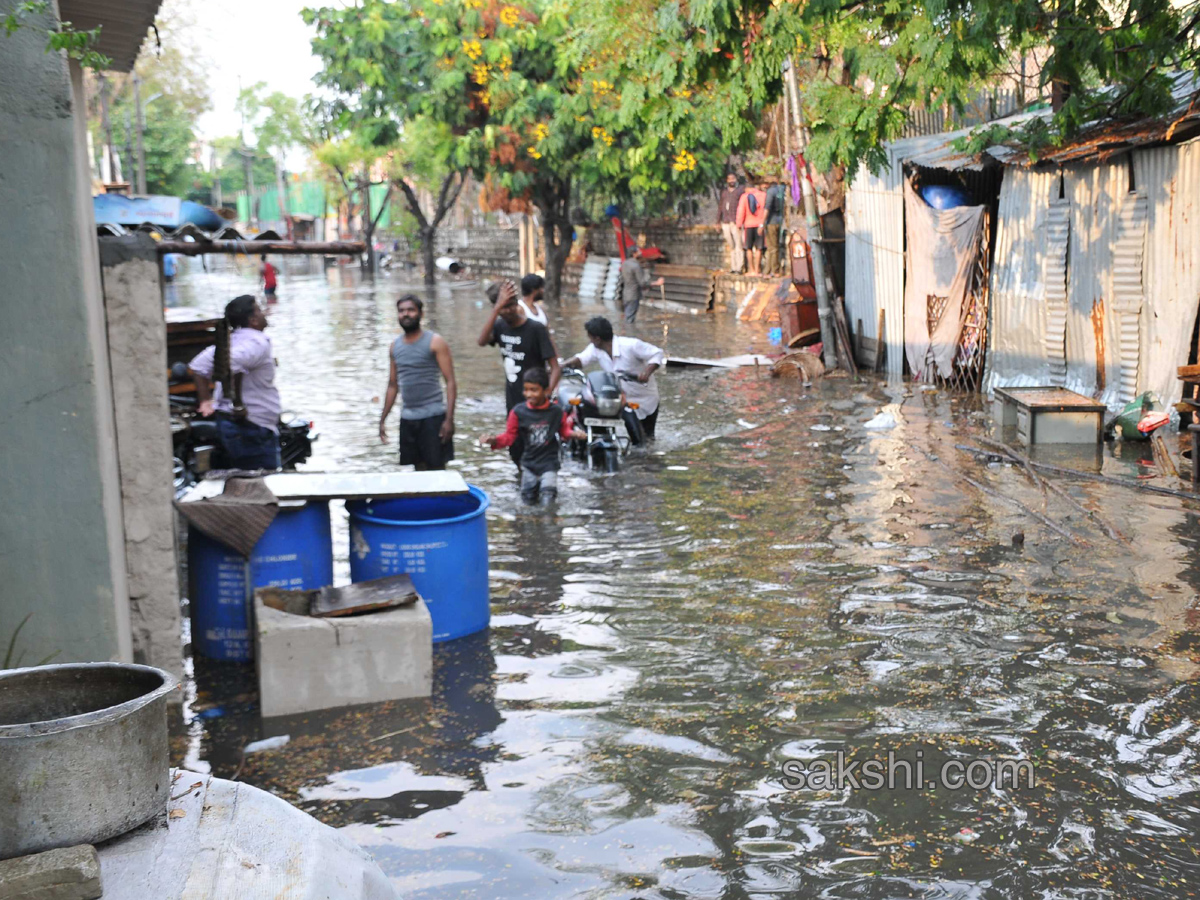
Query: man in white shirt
column 633, row 361
column 533, row 288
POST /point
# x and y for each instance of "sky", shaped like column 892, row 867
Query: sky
column 256, row 40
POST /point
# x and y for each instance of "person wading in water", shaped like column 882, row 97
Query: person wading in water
column 419, row 361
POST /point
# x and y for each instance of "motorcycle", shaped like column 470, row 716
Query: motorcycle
column 197, row 449
column 612, row 429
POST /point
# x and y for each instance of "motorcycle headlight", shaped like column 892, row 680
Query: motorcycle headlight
column 608, row 407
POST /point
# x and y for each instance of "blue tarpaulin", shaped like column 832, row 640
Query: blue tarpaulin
column 166, row 212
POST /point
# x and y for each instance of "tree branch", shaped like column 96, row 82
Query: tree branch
column 414, row 205
column 448, row 205
column 382, row 206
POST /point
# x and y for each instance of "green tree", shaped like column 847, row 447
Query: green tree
column 395, row 102
column 520, row 101
column 174, row 94
column 866, row 64
column 349, row 162
column 278, row 127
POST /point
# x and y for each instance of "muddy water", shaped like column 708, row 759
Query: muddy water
column 774, row 582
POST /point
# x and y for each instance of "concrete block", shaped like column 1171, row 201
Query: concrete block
column 68, row 873
column 306, row 663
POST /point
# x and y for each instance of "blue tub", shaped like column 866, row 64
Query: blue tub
column 295, row 552
column 441, row 542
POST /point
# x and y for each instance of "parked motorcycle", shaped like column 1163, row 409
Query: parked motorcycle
column 612, row 429
column 195, row 444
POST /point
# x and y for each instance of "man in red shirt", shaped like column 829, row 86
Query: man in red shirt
column 266, row 272
column 752, row 219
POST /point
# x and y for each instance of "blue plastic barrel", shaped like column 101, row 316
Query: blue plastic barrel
column 441, row 542
column 296, row 551
column 943, row 196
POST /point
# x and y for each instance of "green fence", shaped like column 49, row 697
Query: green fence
column 309, row 198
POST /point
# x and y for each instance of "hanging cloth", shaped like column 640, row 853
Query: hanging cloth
column 943, row 246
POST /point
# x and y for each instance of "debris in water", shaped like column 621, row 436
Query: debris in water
column 271, row 743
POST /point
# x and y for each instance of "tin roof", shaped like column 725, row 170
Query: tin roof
column 183, row 232
column 123, row 25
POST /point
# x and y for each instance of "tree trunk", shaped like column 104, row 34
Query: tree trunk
column 368, row 227
column 282, row 200
column 553, row 203
column 557, row 237
column 428, row 253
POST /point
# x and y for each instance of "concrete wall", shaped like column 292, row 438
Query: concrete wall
column 137, row 352
column 695, row 245
column 61, row 536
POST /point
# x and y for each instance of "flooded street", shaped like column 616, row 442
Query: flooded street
column 771, row 582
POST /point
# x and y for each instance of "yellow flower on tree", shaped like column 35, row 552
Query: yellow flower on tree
column 479, row 72
column 510, row 16
column 540, row 131
column 505, row 63
column 600, row 134
column 473, row 49
column 684, row 162
column 533, row 151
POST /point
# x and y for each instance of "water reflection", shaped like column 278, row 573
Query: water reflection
column 771, row 581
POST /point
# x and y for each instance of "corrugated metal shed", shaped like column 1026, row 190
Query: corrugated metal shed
column 1018, row 309
column 1127, row 292
column 875, row 234
column 875, row 259
column 123, row 25
column 1170, row 179
column 1133, row 285
column 1097, row 193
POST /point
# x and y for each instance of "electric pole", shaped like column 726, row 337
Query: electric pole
column 812, row 220
column 114, row 166
column 218, row 199
column 141, row 129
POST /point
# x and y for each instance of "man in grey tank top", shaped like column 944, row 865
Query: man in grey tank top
column 419, row 361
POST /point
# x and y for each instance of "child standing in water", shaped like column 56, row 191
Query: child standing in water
column 542, row 425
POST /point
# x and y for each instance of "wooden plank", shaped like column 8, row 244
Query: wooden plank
column 880, row 343
column 364, row 596
column 1050, row 397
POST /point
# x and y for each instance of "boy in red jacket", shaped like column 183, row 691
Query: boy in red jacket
column 541, row 425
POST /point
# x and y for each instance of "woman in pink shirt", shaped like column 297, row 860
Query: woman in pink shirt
column 752, row 219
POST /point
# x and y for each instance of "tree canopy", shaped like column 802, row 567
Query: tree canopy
column 865, row 65
column 521, row 101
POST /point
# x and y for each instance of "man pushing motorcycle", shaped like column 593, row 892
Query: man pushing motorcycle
column 633, row 361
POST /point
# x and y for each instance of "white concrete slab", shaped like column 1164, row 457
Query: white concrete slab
column 221, row 838
column 305, row 663
column 345, row 486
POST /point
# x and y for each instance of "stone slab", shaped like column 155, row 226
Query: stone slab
column 68, row 873
column 306, row 663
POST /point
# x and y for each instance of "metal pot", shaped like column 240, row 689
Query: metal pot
column 83, row 753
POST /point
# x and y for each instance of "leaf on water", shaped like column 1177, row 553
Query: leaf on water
column 176, row 814
column 442, row 834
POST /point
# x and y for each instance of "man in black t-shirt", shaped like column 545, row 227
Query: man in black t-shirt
column 524, row 344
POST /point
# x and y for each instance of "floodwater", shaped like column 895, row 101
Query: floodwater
column 773, row 582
